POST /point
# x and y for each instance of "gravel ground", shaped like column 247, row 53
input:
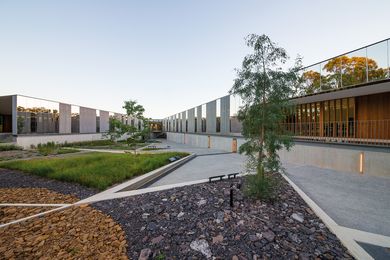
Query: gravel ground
column 197, row 222
column 17, row 179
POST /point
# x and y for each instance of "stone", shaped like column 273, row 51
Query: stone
column 201, row 246
column 201, row 202
column 152, row 226
column 217, row 239
column 298, row 217
column 269, row 235
column 234, row 257
column 145, row 254
column 145, row 215
column 180, row 215
column 157, row 240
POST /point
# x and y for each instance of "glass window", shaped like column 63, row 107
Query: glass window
column 75, row 119
column 218, row 115
column 97, row 121
column 204, row 126
column 37, row 116
column 235, row 104
column 196, row 119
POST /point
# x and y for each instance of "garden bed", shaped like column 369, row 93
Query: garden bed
column 95, row 170
column 79, row 232
column 197, row 222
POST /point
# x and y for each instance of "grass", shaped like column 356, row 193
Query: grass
column 52, row 148
column 9, row 147
column 96, row 170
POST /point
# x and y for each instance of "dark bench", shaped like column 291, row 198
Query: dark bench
column 233, row 175
column 216, row 177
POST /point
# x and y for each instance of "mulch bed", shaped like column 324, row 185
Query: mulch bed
column 34, row 195
column 197, row 222
column 17, row 179
column 8, row 214
column 17, row 154
column 79, row 232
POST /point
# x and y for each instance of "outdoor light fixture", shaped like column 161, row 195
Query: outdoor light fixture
column 361, row 162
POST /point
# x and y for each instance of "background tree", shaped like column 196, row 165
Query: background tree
column 136, row 133
column 342, row 71
column 116, row 129
column 264, row 88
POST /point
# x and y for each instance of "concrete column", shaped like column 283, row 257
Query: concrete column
column 14, row 115
column 191, row 120
column 183, row 120
column 65, row 120
column 104, row 121
column 199, row 119
column 211, row 117
column 87, row 120
column 225, row 115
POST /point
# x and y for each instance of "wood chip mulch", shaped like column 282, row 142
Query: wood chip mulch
column 78, row 232
column 34, row 195
column 8, row 214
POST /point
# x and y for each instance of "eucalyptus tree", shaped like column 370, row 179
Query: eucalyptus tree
column 265, row 89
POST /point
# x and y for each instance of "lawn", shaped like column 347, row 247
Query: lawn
column 96, row 170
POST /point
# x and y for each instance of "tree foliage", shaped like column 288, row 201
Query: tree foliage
column 265, row 89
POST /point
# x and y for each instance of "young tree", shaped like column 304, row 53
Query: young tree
column 135, row 133
column 265, row 89
column 116, row 129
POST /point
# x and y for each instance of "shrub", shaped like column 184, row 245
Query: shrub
column 10, row 147
column 89, row 143
column 48, row 148
column 261, row 186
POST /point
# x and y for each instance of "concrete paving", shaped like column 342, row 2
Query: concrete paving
column 209, row 162
column 352, row 200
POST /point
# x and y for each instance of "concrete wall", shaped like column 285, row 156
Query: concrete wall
column 14, row 116
column 191, row 120
column 28, row 140
column 225, row 115
column 65, row 120
column 199, row 119
column 211, row 117
column 183, row 122
column 87, row 120
column 104, row 121
column 202, row 140
column 345, row 158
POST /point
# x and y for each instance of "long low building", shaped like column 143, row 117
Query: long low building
column 30, row 121
column 340, row 118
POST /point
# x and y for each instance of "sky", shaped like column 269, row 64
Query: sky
column 168, row 55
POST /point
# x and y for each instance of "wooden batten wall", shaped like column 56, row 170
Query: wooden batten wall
column 374, row 113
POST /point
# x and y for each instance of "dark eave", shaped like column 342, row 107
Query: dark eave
column 352, row 91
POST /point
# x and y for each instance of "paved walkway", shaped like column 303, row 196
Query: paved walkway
column 358, row 203
column 209, row 162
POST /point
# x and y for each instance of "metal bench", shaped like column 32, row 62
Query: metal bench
column 216, row 177
column 233, row 175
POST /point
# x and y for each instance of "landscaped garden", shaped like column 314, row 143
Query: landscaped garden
column 96, row 170
column 106, row 144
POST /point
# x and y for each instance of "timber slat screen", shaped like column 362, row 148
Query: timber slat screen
column 339, row 121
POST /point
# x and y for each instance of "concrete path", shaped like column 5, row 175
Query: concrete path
column 360, row 204
column 209, row 162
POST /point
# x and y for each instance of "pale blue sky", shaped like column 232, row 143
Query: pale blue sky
column 168, row 55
